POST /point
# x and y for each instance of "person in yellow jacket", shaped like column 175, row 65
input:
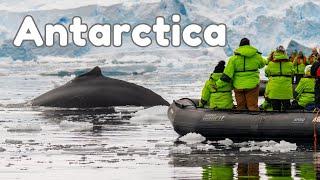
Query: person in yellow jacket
column 243, row 71
column 305, row 91
column 220, row 98
column 279, row 87
column 299, row 64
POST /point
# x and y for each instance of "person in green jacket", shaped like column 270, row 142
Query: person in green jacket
column 243, row 71
column 305, row 90
column 220, row 98
column 279, row 87
column 299, row 64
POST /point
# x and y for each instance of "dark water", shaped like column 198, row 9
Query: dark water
column 44, row 143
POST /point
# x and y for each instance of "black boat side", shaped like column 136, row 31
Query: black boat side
column 262, row 125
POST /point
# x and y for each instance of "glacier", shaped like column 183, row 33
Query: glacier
column 266, row 23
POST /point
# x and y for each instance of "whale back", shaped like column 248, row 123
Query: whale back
column 93, row 89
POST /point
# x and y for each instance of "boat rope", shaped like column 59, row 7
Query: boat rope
column 315, row 121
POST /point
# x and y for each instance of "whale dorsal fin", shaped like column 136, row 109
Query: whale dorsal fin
column 96, row 71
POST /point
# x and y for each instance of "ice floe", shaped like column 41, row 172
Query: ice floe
column 205, row 147
column 181, row 149
column 192, row 138
column 225, row 142
column 156, row 113
column 268, row 146
column 129, row 109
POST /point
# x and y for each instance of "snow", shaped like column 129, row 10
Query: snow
column 192, row 138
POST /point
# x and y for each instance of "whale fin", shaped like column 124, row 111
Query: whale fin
column 96, row 71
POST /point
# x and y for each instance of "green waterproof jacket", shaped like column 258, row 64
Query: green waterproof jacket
column 280, row 73
column 243, row 68
column 220, row 98
column 305, row 91
column 299, row 65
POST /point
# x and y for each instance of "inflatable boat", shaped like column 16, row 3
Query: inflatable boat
column 261, row 125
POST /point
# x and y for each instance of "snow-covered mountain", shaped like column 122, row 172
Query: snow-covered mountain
column 267, row 23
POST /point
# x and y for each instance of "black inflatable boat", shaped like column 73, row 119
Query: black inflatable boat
column 291, row 125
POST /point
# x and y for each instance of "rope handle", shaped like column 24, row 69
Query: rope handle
column 315, row 121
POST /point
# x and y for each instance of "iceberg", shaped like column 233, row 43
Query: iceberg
column 267, row 24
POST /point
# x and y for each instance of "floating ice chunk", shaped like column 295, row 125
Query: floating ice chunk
column 181, row 149
column 76, row 126
column 192, row 138
column 226, row 142
column 163, row 144
column 13, row 141
column 283, row 146
column 155, row 110
column 156, row 113
column 129, row 109
column 251, row 148
column 267, row 146
column 25, row 128
column 205, row 147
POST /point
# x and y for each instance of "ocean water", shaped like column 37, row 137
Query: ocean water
column 130, row 142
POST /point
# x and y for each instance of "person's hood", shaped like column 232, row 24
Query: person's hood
column 247, row 51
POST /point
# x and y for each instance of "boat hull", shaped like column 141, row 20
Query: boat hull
column 186, row 118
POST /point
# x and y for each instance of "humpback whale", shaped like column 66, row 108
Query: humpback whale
column 92, row 90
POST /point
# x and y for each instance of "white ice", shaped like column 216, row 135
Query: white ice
column 192, row 138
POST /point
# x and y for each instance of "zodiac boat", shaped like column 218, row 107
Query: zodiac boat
column 296, row 125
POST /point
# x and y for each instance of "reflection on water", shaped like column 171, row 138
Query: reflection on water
column 241, row 171
column 232, row 164
column 282, row 166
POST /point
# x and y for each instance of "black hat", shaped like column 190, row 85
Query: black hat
column 244, row 41
column 220, row 67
